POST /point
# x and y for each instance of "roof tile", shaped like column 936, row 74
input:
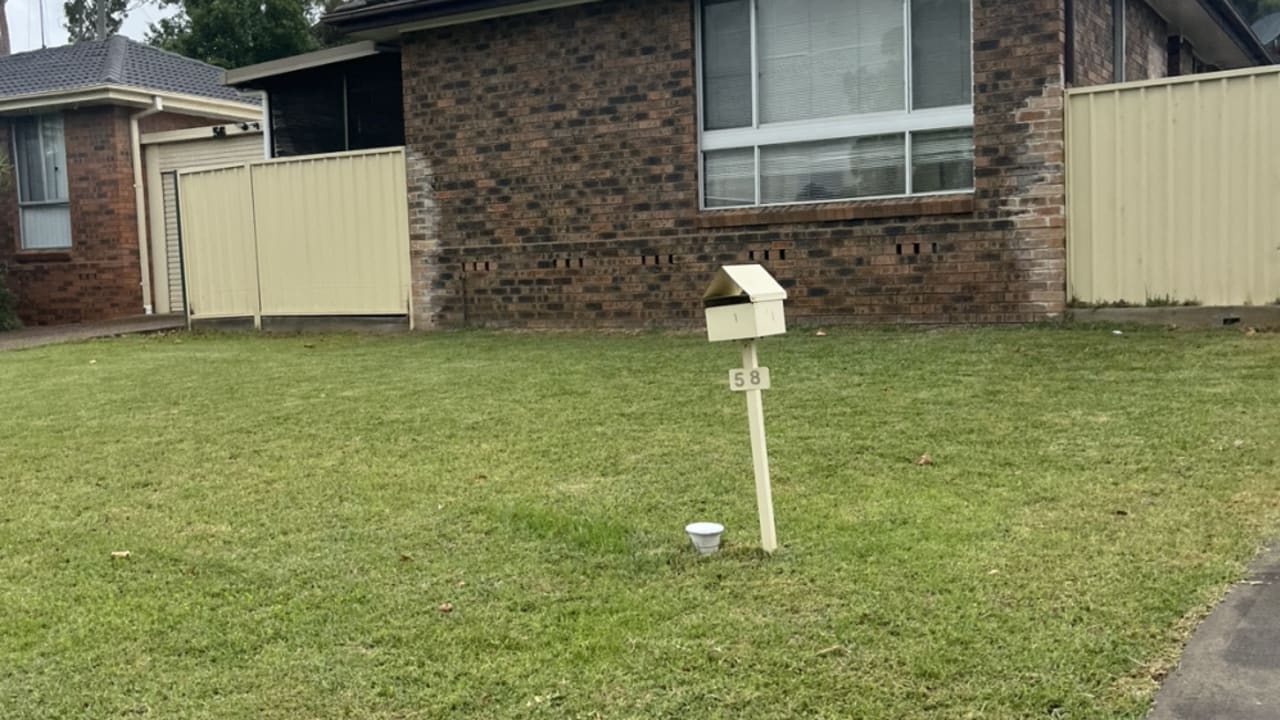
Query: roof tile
column 114, row 61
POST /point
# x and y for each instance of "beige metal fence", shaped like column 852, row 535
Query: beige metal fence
column 165, row 154
column 1173, row 191
column 219, row 243
column 319, row 235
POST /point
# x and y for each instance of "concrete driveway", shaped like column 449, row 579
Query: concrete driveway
column 37, row 336
column 1231, row 668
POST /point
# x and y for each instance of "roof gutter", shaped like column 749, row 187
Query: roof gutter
column 410, row 15
column 125, row 95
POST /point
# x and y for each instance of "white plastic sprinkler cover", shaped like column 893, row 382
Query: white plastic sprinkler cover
column 705, row 536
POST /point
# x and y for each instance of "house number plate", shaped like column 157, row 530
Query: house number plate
column 742, row 380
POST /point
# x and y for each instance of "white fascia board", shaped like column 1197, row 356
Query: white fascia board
column 130, row 97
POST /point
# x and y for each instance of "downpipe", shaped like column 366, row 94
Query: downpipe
column 139, row 200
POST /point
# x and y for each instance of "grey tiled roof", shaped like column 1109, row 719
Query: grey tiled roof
column 114, row 61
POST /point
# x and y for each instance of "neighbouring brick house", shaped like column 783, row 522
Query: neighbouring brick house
column 592, row 162
column 70, row 118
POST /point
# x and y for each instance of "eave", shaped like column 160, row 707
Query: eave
column 252, row 76
column 1215, row 27
column 125, row 96
column 1216, row 30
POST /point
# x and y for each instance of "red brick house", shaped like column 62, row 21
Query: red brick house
column 591, row 162
column 70, row 120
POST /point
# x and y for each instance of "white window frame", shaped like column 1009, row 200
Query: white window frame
column 898, row 122
column 23, row 205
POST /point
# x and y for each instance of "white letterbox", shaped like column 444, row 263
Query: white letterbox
column 744, row 302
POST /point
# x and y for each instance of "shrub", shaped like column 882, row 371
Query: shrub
column 8, row 305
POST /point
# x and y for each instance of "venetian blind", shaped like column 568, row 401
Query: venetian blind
column 828, row 58
column 726, row 59
column 941, row 47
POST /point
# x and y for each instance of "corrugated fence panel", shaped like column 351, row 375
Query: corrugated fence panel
column 216, row 213
column 1172, row 191
column 333, row 234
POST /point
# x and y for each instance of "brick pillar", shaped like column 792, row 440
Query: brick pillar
column 1019, row 134
column 423, row 240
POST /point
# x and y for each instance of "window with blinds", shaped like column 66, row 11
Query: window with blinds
column 820, row 100
column 43, row 210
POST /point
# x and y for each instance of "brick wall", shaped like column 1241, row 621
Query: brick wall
column 1146, row 42
column 1093, row 43
column 98, row 277
column 560, row 179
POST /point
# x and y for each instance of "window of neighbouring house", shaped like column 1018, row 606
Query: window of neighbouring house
column 821, row 100
column 44, row 215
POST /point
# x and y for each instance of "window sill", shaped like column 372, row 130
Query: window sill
column 957, row 204
column 42, row 256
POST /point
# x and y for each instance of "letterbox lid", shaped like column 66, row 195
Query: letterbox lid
column 751, row 283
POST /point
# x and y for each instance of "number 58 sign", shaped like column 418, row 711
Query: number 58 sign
column 742, row 380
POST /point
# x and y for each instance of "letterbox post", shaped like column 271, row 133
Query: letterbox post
column 759, row 453
column 745, row 303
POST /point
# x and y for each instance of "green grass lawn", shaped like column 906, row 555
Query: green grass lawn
column 297, row 510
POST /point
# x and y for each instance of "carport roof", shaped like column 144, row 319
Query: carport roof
column 254, row 76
